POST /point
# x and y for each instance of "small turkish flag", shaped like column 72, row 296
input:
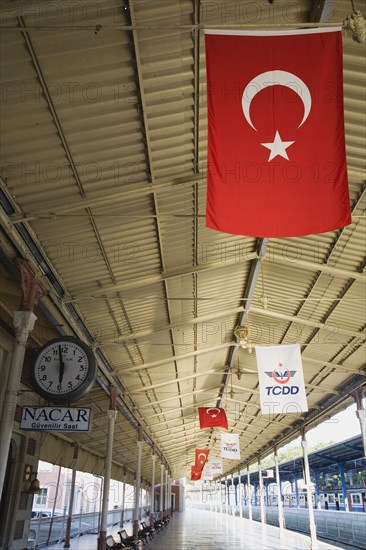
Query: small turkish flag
column 212, row 417
column 276, row 148
column 195, row 474
column 201, row 457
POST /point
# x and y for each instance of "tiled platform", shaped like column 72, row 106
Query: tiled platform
column 203, row 530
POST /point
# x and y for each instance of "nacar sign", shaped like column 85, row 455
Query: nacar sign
column 56, row 419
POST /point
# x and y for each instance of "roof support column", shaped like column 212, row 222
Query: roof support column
column 169, row 494
column 236, row 493
column 240, row 496
column 71, row 497
column 123, row 497
column 162, row 490
column 297, row 493
column 344, row 487
column 361, row 415
column 249, row 495
column 23, row 322
column 166, row 491
column 227, row 494
column 281, row 519
column 266, row 484
column 220, row 495
column 136, row 510
column 317, row 492
column 261, row 492
column 313, row 537
column 112, row 413
column 232, row 495
column 152, row 497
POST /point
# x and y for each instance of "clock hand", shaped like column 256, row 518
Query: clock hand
column 62, row 366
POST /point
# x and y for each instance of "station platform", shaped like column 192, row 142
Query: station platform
column 204, row 530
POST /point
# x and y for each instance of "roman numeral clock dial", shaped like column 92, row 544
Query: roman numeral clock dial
column 64, row 370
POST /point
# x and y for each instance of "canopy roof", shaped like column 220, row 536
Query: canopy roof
column 348, row 453
column 104, row 126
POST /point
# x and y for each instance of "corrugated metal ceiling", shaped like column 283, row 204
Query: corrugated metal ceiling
column 103, row 155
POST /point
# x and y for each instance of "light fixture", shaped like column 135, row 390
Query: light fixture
column 357, row 25
column 242, row 334
column 34, row 487
column 27, row 472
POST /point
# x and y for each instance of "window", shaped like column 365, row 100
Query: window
column 356, row 498
column 331, row 498
column 41, row 498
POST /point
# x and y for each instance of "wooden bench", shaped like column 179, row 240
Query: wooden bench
column 150, row 531
column 111, row 543
column 128, row 541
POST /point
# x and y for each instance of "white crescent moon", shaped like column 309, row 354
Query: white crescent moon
column 275, row 78
column 213, row 409
column 204, row 456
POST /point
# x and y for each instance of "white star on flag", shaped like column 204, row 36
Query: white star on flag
column 278, row 147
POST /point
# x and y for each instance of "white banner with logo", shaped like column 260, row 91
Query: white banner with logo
column 206, row 474
column 215, row 465
column 230, row 446
column 281, row 379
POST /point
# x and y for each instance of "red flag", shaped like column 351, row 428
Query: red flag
column 212, row 417
column 201, row 457
column 276, row 151
column 195, row 474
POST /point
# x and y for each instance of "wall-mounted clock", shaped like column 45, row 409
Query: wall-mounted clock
column 64, row 370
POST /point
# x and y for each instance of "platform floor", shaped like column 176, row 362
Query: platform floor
column 204, row 530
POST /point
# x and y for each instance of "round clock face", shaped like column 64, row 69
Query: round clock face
column 64, row 370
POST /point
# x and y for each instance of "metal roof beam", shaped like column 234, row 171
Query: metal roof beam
column 189, row 394
column 155, row 364
column 225, row 313
column 135, row 190
column 154, row 279
column 174, row 381
column 322, row 11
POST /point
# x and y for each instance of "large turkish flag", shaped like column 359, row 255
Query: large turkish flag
column 276, row 151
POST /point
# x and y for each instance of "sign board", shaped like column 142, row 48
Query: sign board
column 56, row 419
column 216, row 465
column 230, row 447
